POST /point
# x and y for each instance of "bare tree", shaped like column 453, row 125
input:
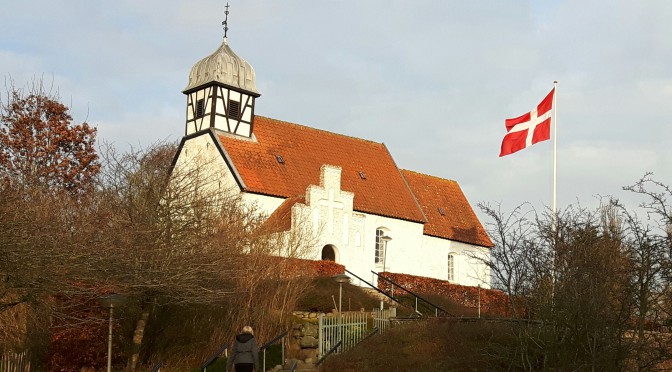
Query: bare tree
column 587, row 275
column 175, row 237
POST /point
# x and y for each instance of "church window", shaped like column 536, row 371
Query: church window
column 451, row 267
column 234, row 110
column 380, row 248
column 200, row 108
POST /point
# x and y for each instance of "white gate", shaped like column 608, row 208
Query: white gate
column 381, row 318
column 349, row 328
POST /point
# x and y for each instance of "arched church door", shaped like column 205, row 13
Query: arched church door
column 328, row 253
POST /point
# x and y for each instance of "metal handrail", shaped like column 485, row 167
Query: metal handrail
column 414, row 294
column 213, row 358
column 293, row 367
column 269, row 343
column 373, row 332
column 157, row 367
column 328, row 353
column 374, row 287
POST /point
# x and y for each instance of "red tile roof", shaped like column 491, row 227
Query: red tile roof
column 304, row 150
column 380, row 189
column 281, row 218
column 448, row 212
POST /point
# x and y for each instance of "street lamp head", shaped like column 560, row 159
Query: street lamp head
column 385, row 238
column 341, row 278
column 112, row 300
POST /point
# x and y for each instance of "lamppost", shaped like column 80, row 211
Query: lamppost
column 111, row 301
column 340, row 279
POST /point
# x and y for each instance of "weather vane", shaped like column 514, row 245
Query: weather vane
column 226, row 19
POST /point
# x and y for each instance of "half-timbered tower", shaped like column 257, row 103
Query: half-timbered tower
column 221, row 93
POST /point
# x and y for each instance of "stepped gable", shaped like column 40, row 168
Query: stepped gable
column 284, row 158
column 449, row 214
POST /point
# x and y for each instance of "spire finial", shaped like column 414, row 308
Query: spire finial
column 226, row 19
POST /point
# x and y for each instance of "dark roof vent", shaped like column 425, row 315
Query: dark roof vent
column 280, row 159
column 362, row 175
column 441, row 211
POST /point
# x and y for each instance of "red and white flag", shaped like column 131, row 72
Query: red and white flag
column 528, row 129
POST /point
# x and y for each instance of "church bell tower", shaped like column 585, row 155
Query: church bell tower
column 221, row 92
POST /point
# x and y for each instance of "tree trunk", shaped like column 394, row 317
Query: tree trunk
column 137, row 340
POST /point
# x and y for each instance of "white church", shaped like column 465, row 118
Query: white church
column 366, row 213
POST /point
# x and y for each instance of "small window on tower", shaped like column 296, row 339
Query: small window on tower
column 200, row 108
column 234, row 110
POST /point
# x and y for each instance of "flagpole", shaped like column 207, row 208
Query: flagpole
column 554, row 217
column 555, row 155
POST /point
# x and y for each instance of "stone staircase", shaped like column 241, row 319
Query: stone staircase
column 373, row 293
column 301, row 366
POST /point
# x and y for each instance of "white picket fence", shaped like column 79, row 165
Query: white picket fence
column 349, row 328
column 15, row 362
column 381, row 318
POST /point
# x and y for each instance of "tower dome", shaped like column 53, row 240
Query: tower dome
column 224, row 67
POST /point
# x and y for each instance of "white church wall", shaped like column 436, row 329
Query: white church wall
column 400, row 256
column 467, row 268
column 266, row 204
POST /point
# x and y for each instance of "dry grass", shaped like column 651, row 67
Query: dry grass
column 319, row 297
column 432, row 345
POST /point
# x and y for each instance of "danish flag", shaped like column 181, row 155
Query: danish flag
column 530, row 128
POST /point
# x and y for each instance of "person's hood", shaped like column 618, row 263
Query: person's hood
column 244, row 337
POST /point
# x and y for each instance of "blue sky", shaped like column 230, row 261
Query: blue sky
column 433, row 80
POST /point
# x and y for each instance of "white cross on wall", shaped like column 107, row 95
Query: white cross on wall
column 330, row 203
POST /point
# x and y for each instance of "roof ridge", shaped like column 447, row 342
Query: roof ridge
column 319, row 130
column 429, row 175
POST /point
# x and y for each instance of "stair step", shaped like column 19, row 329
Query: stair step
column 301, row 366
column 377, row 295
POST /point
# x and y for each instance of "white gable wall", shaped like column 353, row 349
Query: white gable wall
column 353, row 235
column 202, row 150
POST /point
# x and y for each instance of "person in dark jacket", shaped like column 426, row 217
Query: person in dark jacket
column 245, row 353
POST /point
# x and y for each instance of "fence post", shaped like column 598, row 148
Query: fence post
column 320, row 336
column 479, row 300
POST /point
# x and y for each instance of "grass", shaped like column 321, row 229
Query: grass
column 431, row 345
column 420, row 348
column 323, row 297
